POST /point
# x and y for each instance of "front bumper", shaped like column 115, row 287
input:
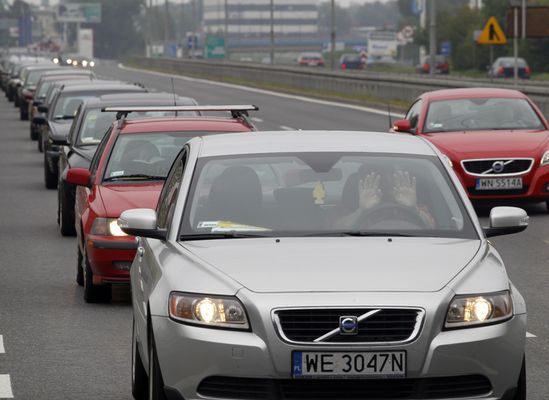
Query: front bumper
column 190, row 356
column 110, row 258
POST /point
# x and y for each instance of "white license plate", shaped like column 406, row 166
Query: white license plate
column 378, row 364
column 499, row 183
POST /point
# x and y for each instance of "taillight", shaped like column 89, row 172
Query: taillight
column 343, row 66
column 426, row 67
column 500, row 71
column 527, row 70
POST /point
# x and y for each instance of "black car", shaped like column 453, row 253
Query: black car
column 44, row 83
column 15, row 80
column 87, row 129
column 61, row 113
column 25, row 93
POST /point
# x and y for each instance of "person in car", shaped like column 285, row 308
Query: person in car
column 364, row 191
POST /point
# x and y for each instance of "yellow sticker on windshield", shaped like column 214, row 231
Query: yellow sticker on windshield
column 319, row 193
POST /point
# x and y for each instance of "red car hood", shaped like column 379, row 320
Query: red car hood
column 489, row 144
column 118, row 198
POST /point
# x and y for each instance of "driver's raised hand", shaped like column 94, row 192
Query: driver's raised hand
column 404, row 189
column 369, row 191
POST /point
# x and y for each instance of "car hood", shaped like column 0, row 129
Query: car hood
column 118, row 198
column 86, row 152
column 60, row 129
column 487, row 144
column 340, row 264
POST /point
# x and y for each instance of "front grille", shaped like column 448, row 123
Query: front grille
column 484, row 167
column 454, row 387
column 494, row 193
column 387, row 325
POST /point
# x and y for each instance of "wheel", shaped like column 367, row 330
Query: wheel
column 139, row 375
column 50, row 179
column 377, row 217
column 79, row 270
column 66, row 211
column 10, row 95
column 547, row 204
column 16, row 101
column 156, row 383
column 33, row 133
column 40, row 144
column 93, row 293
column 521, row 385
column 23, row 114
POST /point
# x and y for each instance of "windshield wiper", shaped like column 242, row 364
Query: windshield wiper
column 358, row 233
column 63, row 117
column 220, row 235
column 136, row 177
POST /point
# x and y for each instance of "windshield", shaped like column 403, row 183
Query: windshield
column 33, row 77
column 43, row 89
column 145, row 156
column 481, row 114
column 324, row 194
column 96, row 123
column 66, row 106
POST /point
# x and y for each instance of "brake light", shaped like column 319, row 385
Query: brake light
column 426, row 67
column 343, row 66
column 500, row 71
column 527, row 70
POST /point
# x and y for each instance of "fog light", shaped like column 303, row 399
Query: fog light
column 122, row 265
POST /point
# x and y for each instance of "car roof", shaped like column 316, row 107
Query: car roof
column 464, row 93
column 197, row 124
column 61, row 77
column 68, row 71
column 313, row 141
column 95, row 86
column 138, row 99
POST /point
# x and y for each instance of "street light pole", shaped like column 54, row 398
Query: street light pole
column 226, row 31
column 272, row 38
column 333, row 36
column 166, row 26
column 432, row 39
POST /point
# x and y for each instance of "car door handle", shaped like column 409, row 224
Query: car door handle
column 140, row 251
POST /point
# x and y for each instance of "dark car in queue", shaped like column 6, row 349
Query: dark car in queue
column 42, row 86
column 89, row 126
column 25, row 92
column 60, row 116
column 441, row 65
column 351, row 61
column 41, row 118
column 128, row 171
column 504, row 67
column 17, row 79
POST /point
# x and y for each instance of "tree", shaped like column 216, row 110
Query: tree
column 119, row 33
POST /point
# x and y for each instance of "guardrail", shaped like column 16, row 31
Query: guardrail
column 379, row 85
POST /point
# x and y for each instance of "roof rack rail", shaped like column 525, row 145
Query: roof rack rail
column 236, row 111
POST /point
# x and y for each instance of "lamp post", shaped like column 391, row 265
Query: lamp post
column 272, row 34
column 432, row 39
column 333, row 36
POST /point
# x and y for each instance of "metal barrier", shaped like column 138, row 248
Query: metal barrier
column 387, row 86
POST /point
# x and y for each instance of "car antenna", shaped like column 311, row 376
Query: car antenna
column 389, row 115
column 174, row 97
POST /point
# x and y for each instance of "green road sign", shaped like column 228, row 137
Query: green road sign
column 215, row 47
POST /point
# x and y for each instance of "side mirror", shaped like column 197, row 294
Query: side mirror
column 506, row 220
column 402, row 125
column 141, row 222
column 60, row 141
column 37, row 103
column 43, row 109
column 79, row 176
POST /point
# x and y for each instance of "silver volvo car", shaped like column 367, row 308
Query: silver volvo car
column 321, row 265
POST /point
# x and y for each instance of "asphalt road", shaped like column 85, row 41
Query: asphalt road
column 55, row 346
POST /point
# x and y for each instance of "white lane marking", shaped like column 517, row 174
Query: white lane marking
column 270, row 93
column 5, row 387
column 2, row 350
column 255, row 119
column 286, row 128
column 530, row 335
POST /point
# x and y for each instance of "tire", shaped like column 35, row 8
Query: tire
column 140, row 380
column 547, row 204
column 93, row 293
column 10, row 95
column 50, row 179
column 16, row 101
column 33, row 133
column 521, row 384
column 156, row 383
column 23, row 114
column 40, row 144
column 79, row 270
column 65, row 214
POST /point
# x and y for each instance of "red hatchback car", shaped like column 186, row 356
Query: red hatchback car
column 496, row 139
column 128, row 171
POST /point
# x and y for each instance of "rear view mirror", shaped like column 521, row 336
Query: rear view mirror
column 42, row 109
column 141, row 222
column 402, row 125
column 79, row 176
column 506, row 220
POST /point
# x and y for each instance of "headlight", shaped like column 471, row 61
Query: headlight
column 92, row 64
column 466, row 311
column 84, row 63
column 69, row 61
column 56, row 60
column 545, row 159
column 106, row 227
column 212, row 311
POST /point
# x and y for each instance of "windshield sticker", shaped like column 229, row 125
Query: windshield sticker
column 229, row 226
column 117, row 173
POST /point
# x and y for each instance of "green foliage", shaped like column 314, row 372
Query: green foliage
column 118, row 34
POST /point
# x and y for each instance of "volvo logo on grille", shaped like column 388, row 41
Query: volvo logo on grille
column 498, row 166
column 348, row 325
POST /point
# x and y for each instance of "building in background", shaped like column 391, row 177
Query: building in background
column 252, row 18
